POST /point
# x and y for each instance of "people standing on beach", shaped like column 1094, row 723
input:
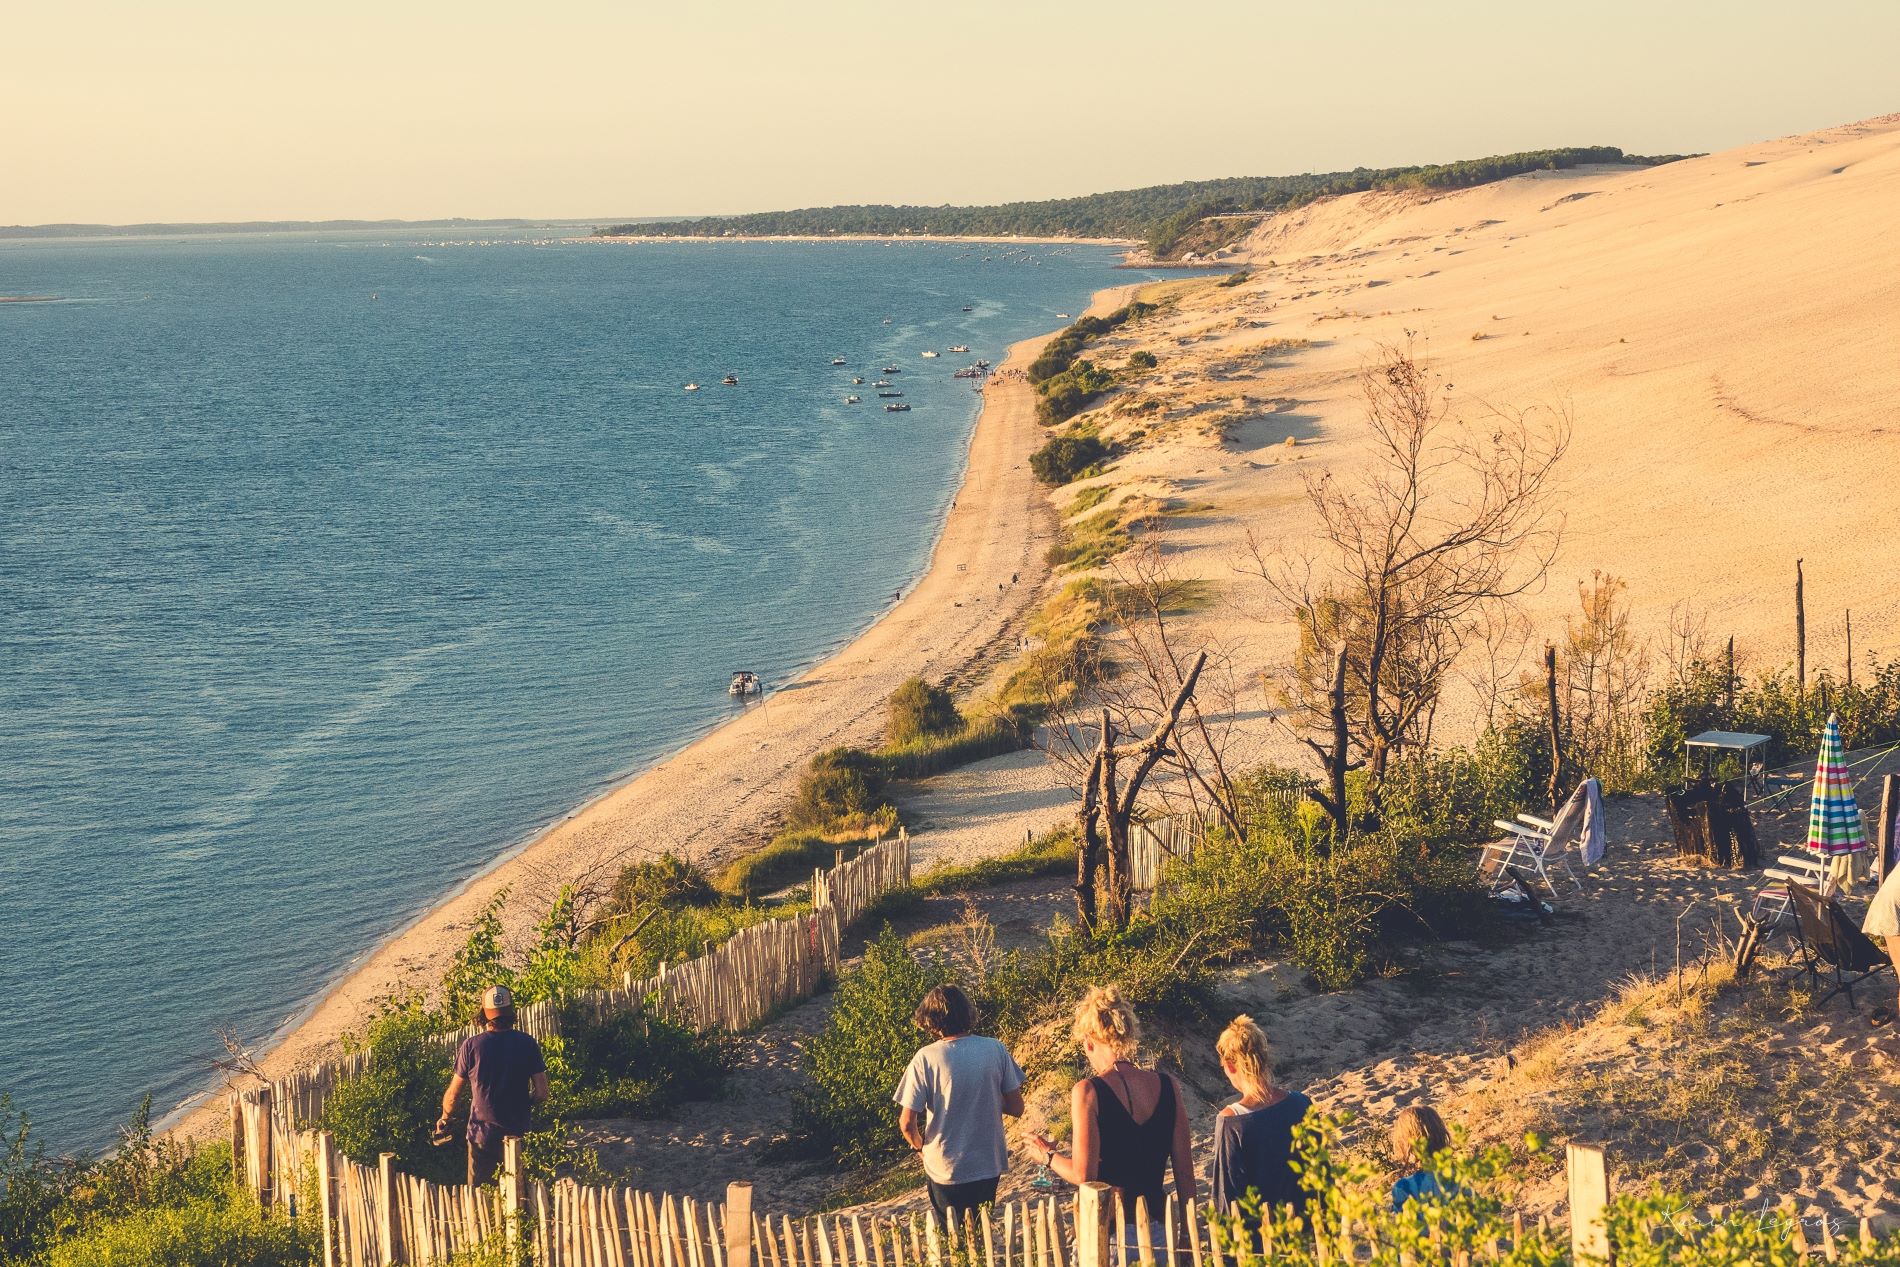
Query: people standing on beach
column 1418, row 1135
column 953, row 1099
column 1130, row 1123
column 1253, row 1137
column 506, row 1076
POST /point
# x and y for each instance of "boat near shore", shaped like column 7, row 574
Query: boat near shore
column 961, row 347
column 928, row 354
column 899, row 408
column 692, row 387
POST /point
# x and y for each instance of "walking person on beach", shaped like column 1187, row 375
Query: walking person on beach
column 953, row 1098
column 1253, row 1137
column 506, row 1076
column 1130, row 1122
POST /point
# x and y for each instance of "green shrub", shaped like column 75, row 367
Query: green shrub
column 842, row 786
column 1142, row 360
column 223, row 1230
column 990, row 735
column 1234, row 279
column 854, row 1064
column 665, row 880
column 628, row 1064
column 919, row 710
column 392, row 1106
column 788, row 860
column 1065, row 458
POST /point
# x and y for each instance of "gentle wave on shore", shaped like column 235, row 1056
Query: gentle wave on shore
column 335, row 572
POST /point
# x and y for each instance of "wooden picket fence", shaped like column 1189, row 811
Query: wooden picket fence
column 1154, row 844
column 372, row 1216
column 732, row 987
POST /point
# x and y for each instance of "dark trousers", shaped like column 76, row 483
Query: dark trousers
column 952, row 1201
column 483, row 1161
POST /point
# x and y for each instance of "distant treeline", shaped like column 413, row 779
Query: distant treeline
column 1159, row 215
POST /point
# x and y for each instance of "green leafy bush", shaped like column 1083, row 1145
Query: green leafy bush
column 1062, row 459
column 789, row 859
column 1142, row 360
column 224, row 1230
column 854, row 1064
column 842, row 786
column 1234, row 279
column 664, row 880
column 392, row 1106
column 919, row 710
column 627, row 1064
column 990, row 735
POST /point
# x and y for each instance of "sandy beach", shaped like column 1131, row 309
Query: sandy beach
column 726, row 792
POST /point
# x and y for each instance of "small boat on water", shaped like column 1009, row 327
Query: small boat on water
column 928, row 354
column 961, row 347
column 889, row 395
column 1063, row 315
column 730, row 380
column 857, row 380
column 882, row 382
column 692, row 387
column 982, row 365
column 968, row 371
column 853, row 400
column 967, row 307
column 899, row 408
column 890, row 369
column 837, row 360
column 745, row 682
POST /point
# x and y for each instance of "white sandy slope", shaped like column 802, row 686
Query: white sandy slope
column 1725, row 331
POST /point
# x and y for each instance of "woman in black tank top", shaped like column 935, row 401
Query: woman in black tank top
column 1129, row 1122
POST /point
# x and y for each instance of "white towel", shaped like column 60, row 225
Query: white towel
column 1580, row 823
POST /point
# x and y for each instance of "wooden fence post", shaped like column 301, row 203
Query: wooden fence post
column 1800, row 633
column 511, row 1195
column 1589, row 1194
column 264, row 1160
column 237, row 1139
column 326, row 1194
column 1092, row 1204
column 1883, row 831
column 386, row 1209
column 739, row 1225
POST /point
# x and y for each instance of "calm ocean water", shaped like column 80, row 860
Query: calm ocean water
column 333, row 565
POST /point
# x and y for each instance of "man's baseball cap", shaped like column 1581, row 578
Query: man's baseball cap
column 496, row 997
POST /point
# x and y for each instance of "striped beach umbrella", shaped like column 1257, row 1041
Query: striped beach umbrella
column 1833, row 815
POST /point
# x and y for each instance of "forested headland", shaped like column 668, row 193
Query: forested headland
column 1168, row 219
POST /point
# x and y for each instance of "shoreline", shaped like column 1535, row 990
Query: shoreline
column 725, row 792
column 854, row 237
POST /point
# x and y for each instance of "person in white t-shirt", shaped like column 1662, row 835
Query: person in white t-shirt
column 953, row 1099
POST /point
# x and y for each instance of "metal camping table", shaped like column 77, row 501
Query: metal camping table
column 1713, row 743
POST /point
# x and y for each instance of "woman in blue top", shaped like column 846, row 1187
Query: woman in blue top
column 1253, row 1137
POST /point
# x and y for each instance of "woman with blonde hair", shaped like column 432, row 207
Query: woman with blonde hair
column 1253, row 1137
column 1130, row 1124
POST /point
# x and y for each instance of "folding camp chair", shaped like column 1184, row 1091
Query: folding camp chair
column 1830, row 940
column 1529, row 848
column 1774, row 900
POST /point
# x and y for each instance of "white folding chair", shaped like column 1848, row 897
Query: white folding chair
column 1530, row 848
column 1803, row 867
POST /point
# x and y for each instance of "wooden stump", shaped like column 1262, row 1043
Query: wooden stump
column 1712, row 826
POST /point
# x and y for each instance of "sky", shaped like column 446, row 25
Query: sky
column 225, row 110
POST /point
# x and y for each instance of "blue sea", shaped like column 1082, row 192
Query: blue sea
column 334, row 565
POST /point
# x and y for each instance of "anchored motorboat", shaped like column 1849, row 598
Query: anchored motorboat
column 961, row 347
column 890, row 369
column 730, row 380
column 692, row 387
column 899, row 408
column 837, row 360
column 853, row 400
column 928, row 354
column 745, row 682
column 890, row 395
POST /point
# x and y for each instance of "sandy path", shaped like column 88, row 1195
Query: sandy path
column 726, row 792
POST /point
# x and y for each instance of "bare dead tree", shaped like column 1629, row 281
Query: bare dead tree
column 1452, row 521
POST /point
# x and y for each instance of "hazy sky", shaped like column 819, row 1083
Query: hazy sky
column 214, row 110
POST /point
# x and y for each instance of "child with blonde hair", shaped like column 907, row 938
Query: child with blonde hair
column 1253, row 1137
column 1418, row 1135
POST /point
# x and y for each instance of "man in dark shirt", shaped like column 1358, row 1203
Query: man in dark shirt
column 506, row 1077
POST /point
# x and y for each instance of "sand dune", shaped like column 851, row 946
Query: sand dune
column 1723, row 330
